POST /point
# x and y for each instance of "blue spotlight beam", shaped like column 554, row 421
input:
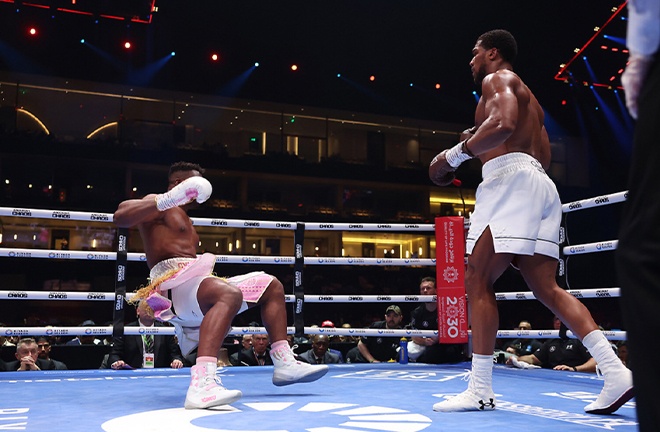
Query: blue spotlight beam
column 232, row 88
column 146, row 74
column 621, row 132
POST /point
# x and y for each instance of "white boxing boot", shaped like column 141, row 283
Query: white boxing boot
column 618, row 387
column 206, row 389
column 479, row 395
column 287, row 370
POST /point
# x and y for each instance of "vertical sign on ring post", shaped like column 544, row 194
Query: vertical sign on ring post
column 298, row 290
column 563, row 259
column 450, row 279
column 120, row 283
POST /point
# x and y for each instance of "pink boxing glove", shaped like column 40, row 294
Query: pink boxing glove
column 193, row 188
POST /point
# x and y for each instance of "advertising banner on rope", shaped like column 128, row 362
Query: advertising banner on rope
column 450, row 279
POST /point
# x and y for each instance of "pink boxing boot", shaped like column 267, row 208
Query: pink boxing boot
column 287, row 370
column 206, row 389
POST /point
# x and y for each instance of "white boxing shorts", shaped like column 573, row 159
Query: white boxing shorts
column 182, row 290
column 520, row 204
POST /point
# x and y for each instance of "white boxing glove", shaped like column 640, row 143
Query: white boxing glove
column 193, row 188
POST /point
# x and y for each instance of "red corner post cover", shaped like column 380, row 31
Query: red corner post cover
column 450, row 279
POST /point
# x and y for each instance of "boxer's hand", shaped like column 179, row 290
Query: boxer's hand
column 467, row 133
column 193, row 188
column 118, row 364
column 440, row 172
column 633, row 79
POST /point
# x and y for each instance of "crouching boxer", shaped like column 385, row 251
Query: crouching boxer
column 201, row 306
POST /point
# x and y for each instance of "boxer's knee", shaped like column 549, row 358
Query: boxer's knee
column 215, row 290
column 275, row 289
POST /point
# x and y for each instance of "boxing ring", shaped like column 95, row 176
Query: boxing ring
column 350, row 398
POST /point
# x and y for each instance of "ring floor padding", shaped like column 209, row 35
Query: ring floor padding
column 350, row 398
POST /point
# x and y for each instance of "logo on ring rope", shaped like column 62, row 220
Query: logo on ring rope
column 14, row 254
column 21, row 212
column 98, row 256
column 99, row 217
column 59, row 255
column 326, row 260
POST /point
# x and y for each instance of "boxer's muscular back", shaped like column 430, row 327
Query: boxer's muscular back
column 529, row 135
column 171, row 235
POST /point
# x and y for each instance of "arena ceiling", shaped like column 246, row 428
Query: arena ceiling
column 417, row 52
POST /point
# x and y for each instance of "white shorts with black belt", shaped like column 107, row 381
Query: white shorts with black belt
column 520, row 204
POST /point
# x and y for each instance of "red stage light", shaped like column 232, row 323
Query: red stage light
column 32, row 31
column 127, row 45
column 215, row 57
column 372, row 78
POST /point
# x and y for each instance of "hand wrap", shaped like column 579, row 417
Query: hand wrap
column 459, row 154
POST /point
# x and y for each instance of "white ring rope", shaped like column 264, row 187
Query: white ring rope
column 595, row 202
column 317, row 226
column 236, row 331
column 251, row 259
column 219, row 259
column 309, row 298
column 220, row 223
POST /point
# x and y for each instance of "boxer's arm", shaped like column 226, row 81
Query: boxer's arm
column 136, row 211
column 545, row 156
column 501, row 112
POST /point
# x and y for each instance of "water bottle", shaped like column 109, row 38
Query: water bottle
column 403, row 351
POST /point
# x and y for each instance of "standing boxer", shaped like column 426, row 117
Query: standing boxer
column 517, row 216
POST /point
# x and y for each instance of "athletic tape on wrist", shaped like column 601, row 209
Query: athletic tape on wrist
column 456, row 155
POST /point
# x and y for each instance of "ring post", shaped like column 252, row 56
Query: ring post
column 563, row 259
column 120, row 283
column 450, row 279
column 298, row 290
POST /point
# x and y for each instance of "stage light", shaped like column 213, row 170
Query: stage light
column 215, row 57
column 294, row 67
column 82, row 41
column 437, row 86
column 411, row 84
column 338, row 75
column 256, row 64
column 372, row 78
column 172, row 53
column 127, row 45
column 32, row 31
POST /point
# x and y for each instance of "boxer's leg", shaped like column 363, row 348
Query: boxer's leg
column 219, row 302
